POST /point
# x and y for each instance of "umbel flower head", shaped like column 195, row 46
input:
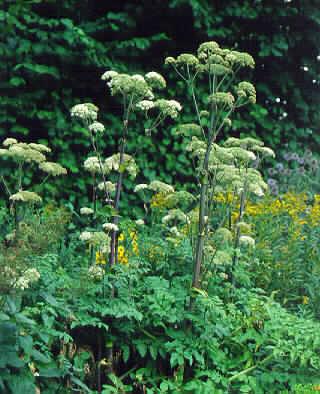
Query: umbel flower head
column 110, row 227
column 222, row 99
column 40, row 147
column 124, row 84
column 53, row 169
column 92, row 165
column 95, row 272
column 86, row 111
column 128, row 164
column 96, row 128
column 247, row 92
column 86, row 211
column 168, row 108
column 23, row 152
column 9, row 141
column 107, row 186
column 31, row 275
column 161, row 187
column 155, row 80
column 26, row 197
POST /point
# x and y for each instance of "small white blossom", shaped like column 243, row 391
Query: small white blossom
column 140, row 222
column 9, row 141
column 96, row 127
column 26, row 196
column 245, row 240
column 140, row 187
column 31, row 275
column 169, row 108
column 53, row 169
column 95, row 272
column 85, row 236
column 86, row 211
column 145, row 105
column 108, row 75
column 92, row 164
column 107, row 186
column 155, row 80
column 161, row 187
column 110, row 227
column 86, row 111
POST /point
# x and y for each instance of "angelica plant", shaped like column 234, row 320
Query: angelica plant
column 137, row 96
column 217, row 166
column 26, row 157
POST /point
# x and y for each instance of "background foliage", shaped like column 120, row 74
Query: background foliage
column 53, row 53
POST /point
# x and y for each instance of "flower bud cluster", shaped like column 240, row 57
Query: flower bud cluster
column 31, row 275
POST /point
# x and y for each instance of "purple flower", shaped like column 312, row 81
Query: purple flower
column 274, row 190
column 300, row 160
column 279, row 167
column 287, row 156
column 271, row 182
column 272, row 171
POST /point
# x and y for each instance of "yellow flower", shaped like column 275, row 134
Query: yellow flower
column 121, row 237
column 305, row 300
column 100, row 258
column 158, row 200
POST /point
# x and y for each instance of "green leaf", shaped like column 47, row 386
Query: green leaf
column 125, row 353
column 17, row 81
column 142, row 349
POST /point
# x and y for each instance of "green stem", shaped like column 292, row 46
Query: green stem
column 247, row 370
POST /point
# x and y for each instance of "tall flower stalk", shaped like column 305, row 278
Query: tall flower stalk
column 218, row 69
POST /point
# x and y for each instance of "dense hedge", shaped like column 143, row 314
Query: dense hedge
column 53, row 53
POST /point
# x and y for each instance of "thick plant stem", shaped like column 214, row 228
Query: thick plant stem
column 238, row 233
column 201, row 235
column 114, row 236
column 202, row 220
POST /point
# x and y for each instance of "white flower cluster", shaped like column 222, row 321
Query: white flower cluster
column 245, row 240
column 85, row 236
column 107, row 186
column 108, row 75
column 174, row 215
column 124, row 84
column 145, row 105
column 26, row 196
column 95, row 272
column 155, row 80
column 96, row 128
column 161, row 187
column 22, row 151
column 140, row 186
column 128, row 164
column 86, row 211
column 9, row 141
column 85, row 111
column 31, row 275
column 52, row 168
column 169, row 108
column 110, row 227
column 40, row 147
column 92, row 165
column 96, row 238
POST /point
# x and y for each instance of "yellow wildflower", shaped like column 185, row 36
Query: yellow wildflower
column 305, row 300
column 100, row 258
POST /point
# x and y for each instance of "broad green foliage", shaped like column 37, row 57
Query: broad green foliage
column 47, row 48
